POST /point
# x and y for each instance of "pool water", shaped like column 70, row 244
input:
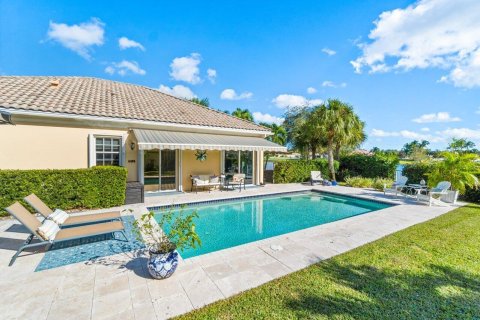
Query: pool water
column 228, row 224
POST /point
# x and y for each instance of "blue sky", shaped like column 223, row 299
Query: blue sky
column 410, row 69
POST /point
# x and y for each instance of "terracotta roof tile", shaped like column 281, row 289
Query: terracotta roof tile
column 99, row 97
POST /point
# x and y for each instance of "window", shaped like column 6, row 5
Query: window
column 107, row 151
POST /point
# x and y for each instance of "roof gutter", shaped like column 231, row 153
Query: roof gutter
column 129, row 122
column 5, row 117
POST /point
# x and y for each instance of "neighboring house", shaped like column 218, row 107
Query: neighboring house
column 77, row 122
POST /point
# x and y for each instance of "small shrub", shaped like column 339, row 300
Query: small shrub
column 291, row 171
column 359, row 182
column 380, row 183
column 97, row 187
column 378, row 165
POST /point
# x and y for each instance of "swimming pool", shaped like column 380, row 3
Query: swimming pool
column 235, row 222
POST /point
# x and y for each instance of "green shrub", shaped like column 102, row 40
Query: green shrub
column 471, row 195
column 416, row 171
column 97, row 187
column 380, row 183
column 290, row 171
column 378, row 165
column 359, row 182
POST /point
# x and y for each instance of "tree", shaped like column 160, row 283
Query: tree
column 296, row 123
column 339, row 126
column 203, row 102
column 244, row 114
column 279, row 136
column 408, row 148
column 459, row 169
column 461, row 145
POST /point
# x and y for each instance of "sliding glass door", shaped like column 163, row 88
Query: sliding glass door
column 159, row 170
column 239, row 162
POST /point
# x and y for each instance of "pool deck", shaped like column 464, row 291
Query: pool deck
column 119, row 287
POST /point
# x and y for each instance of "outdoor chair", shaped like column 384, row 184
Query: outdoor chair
column 58, row 235
column 396, row 187
column 237, row 179
column 315, row 177
column 433, row 195
column 40, row 207
column 205, row 181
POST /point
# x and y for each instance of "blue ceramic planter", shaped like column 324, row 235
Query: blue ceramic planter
column 162, row 265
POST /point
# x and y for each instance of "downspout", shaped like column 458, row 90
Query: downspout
column 6, row 118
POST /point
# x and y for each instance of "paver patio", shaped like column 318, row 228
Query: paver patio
column 118, row 287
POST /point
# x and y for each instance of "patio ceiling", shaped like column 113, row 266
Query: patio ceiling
column 153, row 139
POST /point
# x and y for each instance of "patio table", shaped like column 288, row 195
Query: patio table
column 412, row 190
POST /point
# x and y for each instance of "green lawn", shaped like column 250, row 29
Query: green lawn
column 428, row 271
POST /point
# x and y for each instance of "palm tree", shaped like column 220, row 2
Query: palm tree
column 340, row 128
column 244, row 114
column 458, row 168
column 203, row 102
column 296, row 121
column 279, row 134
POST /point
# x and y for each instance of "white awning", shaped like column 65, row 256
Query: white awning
column 152, row 139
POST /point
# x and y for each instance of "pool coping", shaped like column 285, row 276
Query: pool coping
column 214, row 201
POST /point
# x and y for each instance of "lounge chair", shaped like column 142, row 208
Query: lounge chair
column 33, row 224
column 315, row 177
column 434, row 194
column 45, row 211
column 396, row 187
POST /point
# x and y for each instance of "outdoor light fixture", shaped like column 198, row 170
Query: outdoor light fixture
column 132, row 146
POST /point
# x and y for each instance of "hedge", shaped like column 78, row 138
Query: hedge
column 374, row 166
column 97, row 187
column 290, row 171
column 415, row 172
column 418, row 171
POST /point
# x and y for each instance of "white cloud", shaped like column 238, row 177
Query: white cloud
column 230, row 94
column 178, row 91
column 212, row 75
column 462, row 133
column 290, row 100
column 328, row 51
column 265, row 117
column 332, row 84
column 311, row 90
column 186, row 68
column 430, row 33
column 79, row 38
column 125, row 43
column 124, row 67
column 407, row 134
column 436, row 117
column 425, row 129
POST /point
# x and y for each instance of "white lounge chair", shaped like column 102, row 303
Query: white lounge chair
column 434, row 194
column 396, row 187
column 315, row 177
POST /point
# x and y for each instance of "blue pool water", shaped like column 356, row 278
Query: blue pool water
column 228, row 224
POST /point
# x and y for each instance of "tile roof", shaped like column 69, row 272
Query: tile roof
column 106, row 98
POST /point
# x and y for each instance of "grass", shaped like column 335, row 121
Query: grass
column 428, row 271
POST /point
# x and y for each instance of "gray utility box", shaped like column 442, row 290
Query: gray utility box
column 134, row 193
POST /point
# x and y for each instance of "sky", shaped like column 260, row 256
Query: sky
column 410, row 69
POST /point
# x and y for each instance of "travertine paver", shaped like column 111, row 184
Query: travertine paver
column 118, row 287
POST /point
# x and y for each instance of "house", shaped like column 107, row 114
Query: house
column 80, row 122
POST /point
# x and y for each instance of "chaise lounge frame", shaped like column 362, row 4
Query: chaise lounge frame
column 32, row 223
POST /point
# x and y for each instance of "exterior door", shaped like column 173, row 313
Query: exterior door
column 159, row 170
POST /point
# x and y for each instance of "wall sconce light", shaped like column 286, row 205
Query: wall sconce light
column 132, row 146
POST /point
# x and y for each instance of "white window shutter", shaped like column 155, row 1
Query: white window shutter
column 91, row 151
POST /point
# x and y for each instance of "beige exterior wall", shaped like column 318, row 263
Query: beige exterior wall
column 49, row 147
column 191, row 166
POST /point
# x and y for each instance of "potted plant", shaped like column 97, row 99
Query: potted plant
column 459, row 169
column 174, row 231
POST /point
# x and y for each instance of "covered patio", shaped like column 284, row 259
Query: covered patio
column 168, row 159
